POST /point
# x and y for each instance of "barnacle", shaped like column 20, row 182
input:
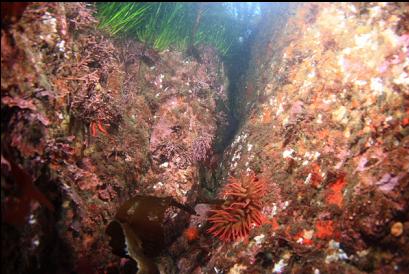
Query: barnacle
column 241, row 209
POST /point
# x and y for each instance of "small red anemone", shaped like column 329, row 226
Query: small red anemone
column 191, row 233
column 241, row 210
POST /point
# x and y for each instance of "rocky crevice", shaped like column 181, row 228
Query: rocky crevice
column 318, row 111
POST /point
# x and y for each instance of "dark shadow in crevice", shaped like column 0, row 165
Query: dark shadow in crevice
column 236, row 64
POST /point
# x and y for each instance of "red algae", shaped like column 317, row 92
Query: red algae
column 324, row 229
column 335, row 192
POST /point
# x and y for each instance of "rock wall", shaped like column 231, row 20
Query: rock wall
column 87, row 123
column 327, row 129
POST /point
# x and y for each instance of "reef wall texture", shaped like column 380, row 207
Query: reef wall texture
column 88, row 122
column 327, row 126
column 321, row 155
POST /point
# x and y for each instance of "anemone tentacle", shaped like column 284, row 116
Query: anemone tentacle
column 241, row 209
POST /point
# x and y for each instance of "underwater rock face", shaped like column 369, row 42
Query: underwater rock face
column 327, row 126
column 89, row 122
column 86, row 117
